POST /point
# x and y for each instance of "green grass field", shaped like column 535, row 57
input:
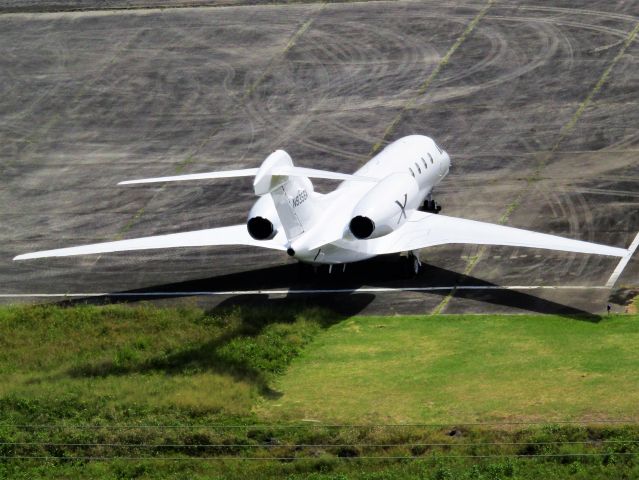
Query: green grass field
column 264, row 382
column 464, row 369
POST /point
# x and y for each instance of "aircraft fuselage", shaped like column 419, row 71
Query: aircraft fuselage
column 408, row 170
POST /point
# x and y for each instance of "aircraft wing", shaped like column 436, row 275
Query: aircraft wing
column 232, row 235
column 426, row 230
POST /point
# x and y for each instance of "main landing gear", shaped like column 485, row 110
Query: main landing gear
column 412, row 265
column 430, row 205
column 307, row 271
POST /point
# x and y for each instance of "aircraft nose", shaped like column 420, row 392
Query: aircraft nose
column 447, row 159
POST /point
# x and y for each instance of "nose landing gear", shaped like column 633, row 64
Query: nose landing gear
column 430, row 205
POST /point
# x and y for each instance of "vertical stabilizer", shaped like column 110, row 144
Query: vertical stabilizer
column 293, row 195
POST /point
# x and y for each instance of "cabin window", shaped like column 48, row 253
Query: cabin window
column 431, row 158
column 419, row 170
column 411, row 171
column 424, row 162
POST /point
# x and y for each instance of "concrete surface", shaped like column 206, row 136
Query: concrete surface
column 537, row 106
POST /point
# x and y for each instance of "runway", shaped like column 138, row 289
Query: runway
column 536, row 104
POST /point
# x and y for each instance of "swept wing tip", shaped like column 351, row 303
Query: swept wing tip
column 132, row 182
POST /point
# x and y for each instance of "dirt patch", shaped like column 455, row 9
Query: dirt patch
column 628, row 297
column 633, row 307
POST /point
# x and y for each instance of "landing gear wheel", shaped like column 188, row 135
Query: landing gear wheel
column 411, row 265
column 415, row 263
column 336, row 269
column 417, row 266
column 430, row 206
column 327, row 271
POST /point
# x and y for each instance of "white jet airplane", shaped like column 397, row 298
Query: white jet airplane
column 384, row 207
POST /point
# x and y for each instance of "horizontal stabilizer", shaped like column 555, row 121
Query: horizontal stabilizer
column 246, row 172
column 232, row 235
column 426, row 230
column 292, row 171
column 249, row 172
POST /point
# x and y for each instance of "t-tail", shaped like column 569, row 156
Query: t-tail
column 287, row 199
column 291, row 194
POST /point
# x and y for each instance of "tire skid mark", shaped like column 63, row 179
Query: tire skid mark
column 536, row 175
column 605, row 191
column 31, row 140
column 429, row 80
column 362, row 135
column 588, row 100
column 247, row 93
column 571, row 213
column 60, row 53
column 180, row 31
column 299, row 121
column 578, row 11
column 187, row 33
column 588, row 226
column 251, row 88
column 291, row 43
column 337, row 152
column 346, row 70
column 414, row 53
column 562, row 22
column 497, row 52
column 549, row 48
column 628, row 141
column 12, row 118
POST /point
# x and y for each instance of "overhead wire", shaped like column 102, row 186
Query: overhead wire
column 381, row 457
column 318, row 445
column 629, row 421
column 36, row 427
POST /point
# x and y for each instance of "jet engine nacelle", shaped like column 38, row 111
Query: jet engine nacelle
column 263, row 221
column 385, row 207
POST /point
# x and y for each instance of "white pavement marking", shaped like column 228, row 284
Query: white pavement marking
column 304, row 291
column 623, row 262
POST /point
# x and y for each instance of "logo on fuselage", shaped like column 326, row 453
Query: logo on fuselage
column 402, row 208
column 299, row 198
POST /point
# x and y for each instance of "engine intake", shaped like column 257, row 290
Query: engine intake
column 362, row 227
column 384, row 207
column 260, row 228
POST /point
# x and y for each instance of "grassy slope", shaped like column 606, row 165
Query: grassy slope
column 116, row 363
column 119, row 365
column 464, row 369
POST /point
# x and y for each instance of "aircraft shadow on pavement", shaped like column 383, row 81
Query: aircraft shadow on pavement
column 377, row 272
